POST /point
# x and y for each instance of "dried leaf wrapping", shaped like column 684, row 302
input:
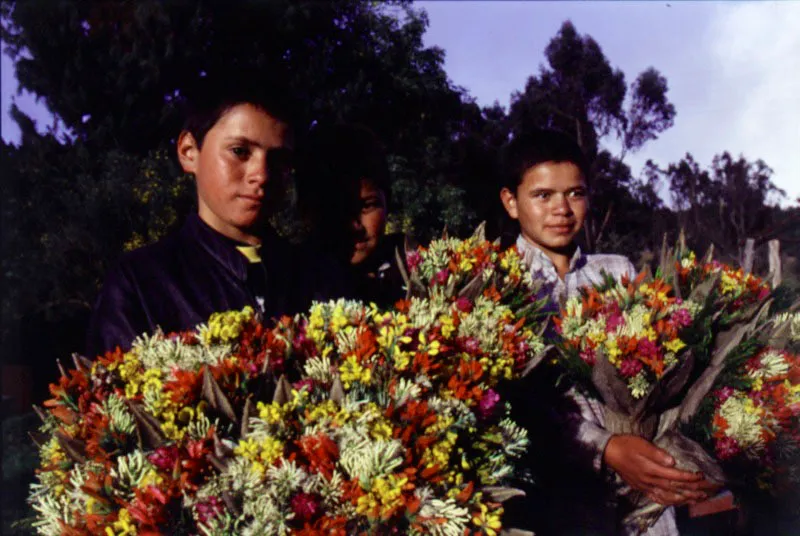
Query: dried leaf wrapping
column 283, row 391
column 216, row 397
column 502, row 493
column 149, row 429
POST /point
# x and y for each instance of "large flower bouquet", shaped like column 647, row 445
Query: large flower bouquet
column 345, row 420
column 652, row 349
column 751, row 423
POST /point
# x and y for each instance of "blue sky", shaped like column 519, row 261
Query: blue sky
column 733, row 68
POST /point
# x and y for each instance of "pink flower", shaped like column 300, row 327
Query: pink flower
column 441, row 276
column 753, row 364
column 488, row 402
column 589, row 357
column 164, row 457
column 472, row 346
column 464, row 304
column 307, row 382
column 682, row 318
column 647, row 348
column 630, row 367
column 613, row 322
column 723, row 394
column 413, row 259
column 305, row 506
column 726, row 448
column 211, row 509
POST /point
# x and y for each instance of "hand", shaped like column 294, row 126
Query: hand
column 650, row 470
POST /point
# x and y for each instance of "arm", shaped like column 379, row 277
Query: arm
column 118, row 316
column 639, row 463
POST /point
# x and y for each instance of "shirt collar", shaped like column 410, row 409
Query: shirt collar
column 535, row 258
column 219, row 246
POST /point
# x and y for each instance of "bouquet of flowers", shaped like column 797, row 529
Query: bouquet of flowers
column 751, row 423
column 652, row 349
column 344, row 420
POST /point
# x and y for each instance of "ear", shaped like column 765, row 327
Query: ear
column 509, row 201
column 188, row 152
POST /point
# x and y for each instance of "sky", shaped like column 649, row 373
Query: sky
column 733, row 68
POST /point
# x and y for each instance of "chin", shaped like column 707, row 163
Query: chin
column 358, row 258
column 559, row 243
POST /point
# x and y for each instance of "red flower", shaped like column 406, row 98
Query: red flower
column 727, row 448
column 305, row 506
column 211, row 509
column 164, row 458
column 630, row 368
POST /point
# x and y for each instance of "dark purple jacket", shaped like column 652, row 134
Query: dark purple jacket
column 179, row 281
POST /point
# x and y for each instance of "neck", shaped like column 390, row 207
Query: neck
column 560, row 257
column 243, row 236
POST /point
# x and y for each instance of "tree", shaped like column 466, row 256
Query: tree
column 580, row 93
column 115, row 74
column 725, row 204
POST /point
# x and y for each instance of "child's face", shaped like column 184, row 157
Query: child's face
column 370, row 223
column 550, row 203
column 231, row 169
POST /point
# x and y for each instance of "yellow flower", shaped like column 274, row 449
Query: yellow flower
column 381, row 430
column 488, row 521
column 401, row 359
column 131, row 389
column 613, row 351
column 758, row 384
column 325, row 410
column 247, row 448
column 386, row 494
column 271, row 450
column 123, row 526
column 352, row 371
column 225, row 327
column 448, row 327
column 272, row 413
column 338, row 319
column 674, row 345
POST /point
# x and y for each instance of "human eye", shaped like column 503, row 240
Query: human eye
column 541, row 195
column 370, row 204
column 578, row 193
column 240, row 151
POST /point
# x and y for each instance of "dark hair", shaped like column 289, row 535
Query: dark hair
column 209, row 97
column 333, row 161
column 537, row 147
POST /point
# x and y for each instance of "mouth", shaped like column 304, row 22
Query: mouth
column 560, row 229
column 253, row 198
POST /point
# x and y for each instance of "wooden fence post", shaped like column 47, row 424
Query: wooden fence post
column 749, row 251
column 775, row 262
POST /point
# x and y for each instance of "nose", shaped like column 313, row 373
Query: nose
column 257, row 171
column 562, row 205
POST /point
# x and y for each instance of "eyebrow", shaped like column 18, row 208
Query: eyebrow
column 242, row 139
column 551, row 190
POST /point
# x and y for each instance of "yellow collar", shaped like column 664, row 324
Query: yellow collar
column 251, row 252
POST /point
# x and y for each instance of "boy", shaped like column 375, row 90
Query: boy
column 545, row 189
column 236, row 142
column 344, row 183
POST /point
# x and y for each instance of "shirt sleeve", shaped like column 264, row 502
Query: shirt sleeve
column 588, row 437
column 118, row 316
column 630, row 269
